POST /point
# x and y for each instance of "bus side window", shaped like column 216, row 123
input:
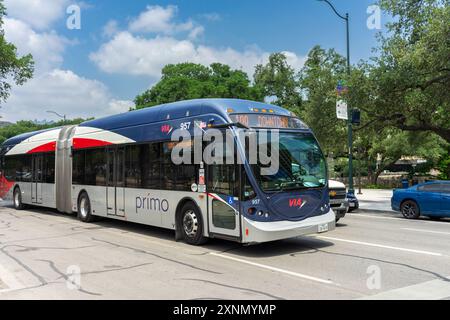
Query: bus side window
column 247, row 189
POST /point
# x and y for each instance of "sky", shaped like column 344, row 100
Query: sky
column 97, row 64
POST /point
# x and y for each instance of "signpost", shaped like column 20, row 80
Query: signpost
column 342, row 110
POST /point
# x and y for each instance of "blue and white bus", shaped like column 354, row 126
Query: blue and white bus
column 120, row 167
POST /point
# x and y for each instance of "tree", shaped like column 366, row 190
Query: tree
column 18, row 69
column 411, row 75
column 318, row 79
column 277, row 80
column 186, row 81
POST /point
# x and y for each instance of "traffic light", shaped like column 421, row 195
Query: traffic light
column 356, row 117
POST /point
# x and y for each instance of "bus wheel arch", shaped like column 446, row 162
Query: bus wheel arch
column 188, row 206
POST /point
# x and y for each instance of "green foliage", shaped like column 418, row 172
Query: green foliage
column 20, row 127
column 318, row 80
column 186, row 81
column 411, row 75
column 18, row 69
column 444, row 167
column 277, row 79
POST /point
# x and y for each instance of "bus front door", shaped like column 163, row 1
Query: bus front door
column 223, row 201
column 37, row 167
column 115, row 179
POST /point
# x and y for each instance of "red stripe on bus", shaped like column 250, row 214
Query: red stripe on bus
column 48, row 147
column 82, row 143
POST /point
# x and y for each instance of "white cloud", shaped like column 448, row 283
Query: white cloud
column 196, row 32
column 212, row 16
column 47, row 48
column 130, row 54
column 111, row 28
column 39, row 14
column 62, row 91
column 157, row 19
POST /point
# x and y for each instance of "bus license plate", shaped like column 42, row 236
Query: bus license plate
column 323, row 228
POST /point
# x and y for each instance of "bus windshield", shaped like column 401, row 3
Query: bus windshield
column 301, row 165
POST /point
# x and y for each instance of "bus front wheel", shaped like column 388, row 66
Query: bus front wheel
column 17, row 197
column 191, row 223
column 84, row 208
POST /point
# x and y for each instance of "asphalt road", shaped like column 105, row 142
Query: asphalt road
column 368, row 256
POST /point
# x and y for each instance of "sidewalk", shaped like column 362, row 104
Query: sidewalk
column 374, row 200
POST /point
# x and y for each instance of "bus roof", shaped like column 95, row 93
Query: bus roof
column 178, row 110
column 221, row 108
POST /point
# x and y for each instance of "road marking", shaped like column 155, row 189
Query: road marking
column 430, row 290
column 427, row 231
column 263, row 266
column 382, row 246
column 399, row 218
column 360, row 215
column 9, row 279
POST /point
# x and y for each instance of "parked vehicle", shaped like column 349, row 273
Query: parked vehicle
column 431, row 199
column 338, row 198
column 353, row 203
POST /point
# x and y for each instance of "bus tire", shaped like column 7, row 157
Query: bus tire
column 84, row 208
column 191, row 225
column 17, row 199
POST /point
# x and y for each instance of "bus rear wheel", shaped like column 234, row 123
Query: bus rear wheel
column 84, row 208
column 17, row 198
column 192, row 225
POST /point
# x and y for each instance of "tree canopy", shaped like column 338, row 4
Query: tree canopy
column 278, row 80
column 411, row 74
column 12, row 67
column 186, row 81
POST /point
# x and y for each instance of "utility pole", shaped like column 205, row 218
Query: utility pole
column 351, row 188
column 57, row 114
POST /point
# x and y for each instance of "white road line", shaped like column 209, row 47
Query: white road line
column 359, row 215
column 9, row 279
column 263, row 266
column 427, row 231
column 382, row 246
column 430, row 290
column 399, row 218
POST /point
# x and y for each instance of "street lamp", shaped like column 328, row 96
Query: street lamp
column 351, row 189
column 57, row 114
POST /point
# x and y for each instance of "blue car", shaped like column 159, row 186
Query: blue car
column 431, row 199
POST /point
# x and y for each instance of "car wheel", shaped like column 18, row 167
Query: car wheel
column 410, row 209
column 17, row 198
column 192, row 225
column 84, row 208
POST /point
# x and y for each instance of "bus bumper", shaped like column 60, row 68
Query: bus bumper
column 258, row 232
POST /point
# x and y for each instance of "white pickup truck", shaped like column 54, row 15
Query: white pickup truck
column 338, row 198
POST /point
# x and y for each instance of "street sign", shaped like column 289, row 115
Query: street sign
column 342, row 110
column 341, row 88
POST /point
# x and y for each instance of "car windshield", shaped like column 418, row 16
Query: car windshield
column 301, row 164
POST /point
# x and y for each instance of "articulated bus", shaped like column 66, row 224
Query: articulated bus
column 120, row 167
